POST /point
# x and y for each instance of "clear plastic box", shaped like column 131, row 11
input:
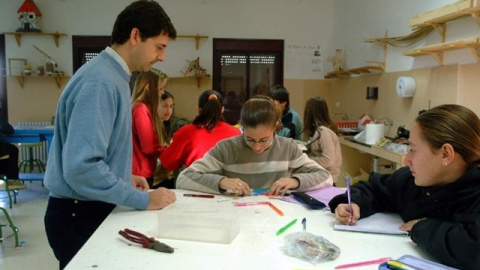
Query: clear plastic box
column 203, row 223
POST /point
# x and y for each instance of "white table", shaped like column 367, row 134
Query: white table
column 255, row 247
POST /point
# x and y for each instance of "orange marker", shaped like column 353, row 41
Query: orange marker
column 275, row 209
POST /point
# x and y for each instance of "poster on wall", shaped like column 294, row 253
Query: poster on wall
column 304, row 61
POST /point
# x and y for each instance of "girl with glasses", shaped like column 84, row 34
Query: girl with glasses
column 256, row 159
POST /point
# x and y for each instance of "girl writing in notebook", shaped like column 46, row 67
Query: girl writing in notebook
column 437, row 193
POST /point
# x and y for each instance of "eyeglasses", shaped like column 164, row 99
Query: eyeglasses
column 262, row 142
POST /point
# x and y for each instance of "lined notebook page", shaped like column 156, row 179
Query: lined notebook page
column 383, row 223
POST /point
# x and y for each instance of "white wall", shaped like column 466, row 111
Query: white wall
column 329, row 24
column 295, row 21
column 355, row 21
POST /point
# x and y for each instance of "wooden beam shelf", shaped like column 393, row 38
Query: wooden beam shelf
column 57, row 78
column 196, row 37
column 447, row 13
column 198, row 78
column 18, row 36
column 356, row 71
column 437, row 51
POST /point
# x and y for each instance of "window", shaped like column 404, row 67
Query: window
column 243, row 68
column 84, row 48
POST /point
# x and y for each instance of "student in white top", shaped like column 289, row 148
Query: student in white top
column 322, row 135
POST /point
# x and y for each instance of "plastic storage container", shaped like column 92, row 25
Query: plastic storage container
column 203, row 223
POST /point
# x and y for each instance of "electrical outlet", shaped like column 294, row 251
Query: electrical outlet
column 337, row 104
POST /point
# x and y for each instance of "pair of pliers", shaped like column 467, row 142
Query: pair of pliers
column 147, row 242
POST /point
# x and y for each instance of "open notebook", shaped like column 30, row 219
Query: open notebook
column 383, row 223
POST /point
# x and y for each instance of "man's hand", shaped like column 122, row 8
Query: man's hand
column 161, row 198
column 139, row 182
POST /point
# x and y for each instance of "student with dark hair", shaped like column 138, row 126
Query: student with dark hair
column 162, row 176
column 166, row 112
column 255, row 159
column 89, row 168
column 192, row 141
column 321, row 135
column 292, row 125
column 437, row 194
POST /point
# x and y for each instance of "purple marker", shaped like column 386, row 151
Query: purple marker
column 347, row 180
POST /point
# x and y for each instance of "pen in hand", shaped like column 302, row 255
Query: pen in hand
column 349, row 198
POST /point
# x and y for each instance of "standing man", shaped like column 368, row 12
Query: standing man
column 89, row 167
column 292, row 125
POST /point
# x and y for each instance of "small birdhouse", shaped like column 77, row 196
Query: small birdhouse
column 30, row 17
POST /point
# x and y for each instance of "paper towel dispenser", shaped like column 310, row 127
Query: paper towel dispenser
column 406, row 86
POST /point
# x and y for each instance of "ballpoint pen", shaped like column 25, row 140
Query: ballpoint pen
column 347, row 181
column 284, row 228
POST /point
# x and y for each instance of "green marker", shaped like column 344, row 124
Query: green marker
column 284, row 228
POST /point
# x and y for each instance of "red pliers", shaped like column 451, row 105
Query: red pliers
column 147, row 242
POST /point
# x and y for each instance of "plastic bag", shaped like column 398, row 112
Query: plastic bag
column 310, row 247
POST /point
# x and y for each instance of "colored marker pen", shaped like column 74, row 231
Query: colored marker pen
column 392, row 264
column 199, row 195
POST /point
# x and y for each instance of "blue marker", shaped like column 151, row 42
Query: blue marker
column 259, row 191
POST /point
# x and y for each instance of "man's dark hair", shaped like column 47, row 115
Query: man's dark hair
column 280, row 94
column 145, row 15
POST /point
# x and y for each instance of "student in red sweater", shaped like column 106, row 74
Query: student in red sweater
column 146, row 126
column 192, row 141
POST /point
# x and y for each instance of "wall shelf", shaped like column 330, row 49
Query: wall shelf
column 437, row 51
column 18, row 36
column 437, row 19
column 447, row 13
column 196, row 37
column 354, row 71
column 57, row 78
column 380, row 66
column 198, row 78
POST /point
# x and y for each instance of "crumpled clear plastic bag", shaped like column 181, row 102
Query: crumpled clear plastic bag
column 310, row 247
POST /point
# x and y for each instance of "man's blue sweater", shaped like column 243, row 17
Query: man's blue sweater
column 91, row 153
